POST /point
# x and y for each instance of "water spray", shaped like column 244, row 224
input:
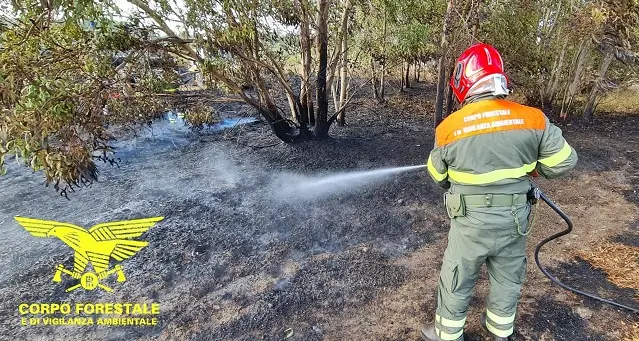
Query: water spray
column 364, row 175
column 311, row 188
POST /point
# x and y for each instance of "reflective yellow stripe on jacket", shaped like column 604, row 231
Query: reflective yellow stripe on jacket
column 490, row 177
column 558, row 157
column 433, row 171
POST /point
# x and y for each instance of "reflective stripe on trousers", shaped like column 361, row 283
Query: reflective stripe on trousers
column 499, row 325
column 448, row 329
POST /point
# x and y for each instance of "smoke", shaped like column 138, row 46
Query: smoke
column 225, row 170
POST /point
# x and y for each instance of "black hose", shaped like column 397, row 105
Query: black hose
column 557, row 235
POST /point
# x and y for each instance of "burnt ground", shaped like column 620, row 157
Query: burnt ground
column 238, row 257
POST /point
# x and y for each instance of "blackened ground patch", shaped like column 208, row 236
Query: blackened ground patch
column 580, row 275
column 325, row 286
column 560, row 321
column 630, row 238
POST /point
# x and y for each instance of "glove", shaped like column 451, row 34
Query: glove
column 534, row 173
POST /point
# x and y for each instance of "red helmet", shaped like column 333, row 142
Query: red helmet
column 479, row 69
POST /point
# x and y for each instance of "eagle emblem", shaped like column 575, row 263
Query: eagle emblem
column 96, row 246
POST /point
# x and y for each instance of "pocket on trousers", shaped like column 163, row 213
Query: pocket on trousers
column 450, row 275
column 521, row 275
column 523, row 215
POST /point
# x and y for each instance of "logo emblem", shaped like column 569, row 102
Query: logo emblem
column 98, row 245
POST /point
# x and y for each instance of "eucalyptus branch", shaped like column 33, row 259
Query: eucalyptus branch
column 164, row 27
column 33, row 26
column 279, row 73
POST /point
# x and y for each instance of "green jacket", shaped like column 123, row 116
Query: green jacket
column 492, row 145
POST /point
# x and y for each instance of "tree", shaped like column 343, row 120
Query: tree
column 396, row 33
column 240, row 34
column 322, row 49
column 343, row 75
column 441, row 67
column 307, row 115
column 62, row 87
column 615, row 40
column 596, row 88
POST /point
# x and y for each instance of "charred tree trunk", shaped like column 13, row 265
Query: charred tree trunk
column 374, row 79
column 304, row 106
column 303, row 117
column 321, row 125
column 407, row 74
column 590, row 107
column 449, row 97
column 477, row 16
column 311, row 109
column 279, row 125
column 341, row 118
column 449, row 102
column 401, row 78
column 306, row 97
column 441, row 78
column 381, row 78
column 268, row 109
column 381, row 82
column 334, row 94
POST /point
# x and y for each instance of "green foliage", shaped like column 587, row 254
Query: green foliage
column 61, row 95
column 412, row 29
column 412, row 43
column 532, row 36
column 200, row 115
column 511, row 26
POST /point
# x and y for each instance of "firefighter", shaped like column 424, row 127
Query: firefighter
column 485, row 156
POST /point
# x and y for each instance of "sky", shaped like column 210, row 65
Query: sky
column 127, row 8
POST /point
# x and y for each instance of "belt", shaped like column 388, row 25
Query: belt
column 488, row 200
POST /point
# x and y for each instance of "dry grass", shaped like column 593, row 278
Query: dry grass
column 630, row 331
column 621, row 265
column 623, row 101
column 619, row 262
column 632, row 334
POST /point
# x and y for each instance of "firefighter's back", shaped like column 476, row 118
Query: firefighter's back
column 490, row 146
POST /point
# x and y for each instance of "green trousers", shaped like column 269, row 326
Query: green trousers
column 484, row 235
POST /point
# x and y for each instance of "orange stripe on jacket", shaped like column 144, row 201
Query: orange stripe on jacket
column 488, row 117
